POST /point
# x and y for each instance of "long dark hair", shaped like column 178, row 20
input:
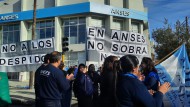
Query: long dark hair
column 108, row 64
column 149, row 66
column 91, row 70
column 128, row 62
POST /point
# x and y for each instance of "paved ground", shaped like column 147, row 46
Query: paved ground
column 23, row 97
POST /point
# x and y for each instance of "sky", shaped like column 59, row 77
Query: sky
column 172, row 10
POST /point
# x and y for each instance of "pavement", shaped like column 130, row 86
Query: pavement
column 21, row 96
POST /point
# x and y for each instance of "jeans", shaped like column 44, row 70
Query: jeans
column 49, row 103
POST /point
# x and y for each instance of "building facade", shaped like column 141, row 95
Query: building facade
column 70, row 18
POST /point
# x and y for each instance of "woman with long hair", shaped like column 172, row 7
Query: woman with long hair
column 131, row 92
column 107, row 85
column 151, row 76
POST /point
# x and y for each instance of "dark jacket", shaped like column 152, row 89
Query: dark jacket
column 131, row 92
column 50, row 83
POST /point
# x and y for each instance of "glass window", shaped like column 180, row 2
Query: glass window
column 44, row 29
column 75, row 29
column 117, row 24
column 135, row 27
column 97, row 22
column 10, row 33
column 107, row 2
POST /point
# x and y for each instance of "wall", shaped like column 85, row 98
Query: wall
column 116, row 3
column 12, row 6
column 28, row 4
column 68, row 2
column 136, row 5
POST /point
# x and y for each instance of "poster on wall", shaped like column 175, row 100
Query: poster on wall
column 102, row 43
column 25, row 55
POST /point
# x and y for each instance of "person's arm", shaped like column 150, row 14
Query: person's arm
column 144, row 97
column 63, row 83
column 152, row 83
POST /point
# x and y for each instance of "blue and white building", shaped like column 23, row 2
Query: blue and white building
column 69, row 18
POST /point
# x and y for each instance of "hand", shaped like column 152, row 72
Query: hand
column 70, row 77
column 151, row 91
column 141, row 77
column 164, row 87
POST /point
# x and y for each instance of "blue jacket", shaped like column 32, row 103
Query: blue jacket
column 131, row 92
column 151, row 81
column 50, row 83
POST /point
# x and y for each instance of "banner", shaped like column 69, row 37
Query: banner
column 25, row 55
column 174, row 70
column 102, row 43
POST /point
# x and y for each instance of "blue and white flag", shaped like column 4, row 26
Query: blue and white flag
column 174, row 70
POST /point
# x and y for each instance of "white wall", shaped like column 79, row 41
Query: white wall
column 68, row 2
column 12, row 6
column 116, row 3
column 136, row 5
column 28, row 4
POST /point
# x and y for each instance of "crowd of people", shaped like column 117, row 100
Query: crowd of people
column 121, row 82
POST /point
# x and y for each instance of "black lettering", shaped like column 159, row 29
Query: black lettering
column 5, row 49
column 33, row 46
column 138, row 50
column 100, row 46
column 143, row 40
column 12, row 48
column 115, row 36
column 103, row 56
column 144, row 50
column 100, row 33
column 2, row 61
column 91, row 45
column 91, row 32
column 124, row 36
column 10, row 61
column 131, row 49
column 132, row 37
column 124, row 48
column 17, row 61
column 115, row 47
column 37, row 59
column 23, row 59
column 138, row 38
column 48, row 43
column 24, row 47
column 30, row 59
column 41, row 44
column 42, row 58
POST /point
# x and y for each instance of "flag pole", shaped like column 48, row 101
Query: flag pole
column 168, row 55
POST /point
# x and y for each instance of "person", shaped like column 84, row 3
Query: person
column 51, row 83
column 46, row 62
column 95, row 77
column 131, row 92
column 83, row 88
column 66, row 97
column 107, row 86
column 151, row 80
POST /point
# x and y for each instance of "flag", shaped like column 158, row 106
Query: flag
column 174, row 70
column 4, row 90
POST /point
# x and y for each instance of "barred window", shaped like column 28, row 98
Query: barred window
column 10, row 33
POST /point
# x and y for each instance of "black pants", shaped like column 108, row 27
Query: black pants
column 48, row 103
column 85, row 101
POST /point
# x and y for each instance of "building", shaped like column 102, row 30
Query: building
column 69, row 18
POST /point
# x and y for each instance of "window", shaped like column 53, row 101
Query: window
column 118, row 24
column 44, row 29
column 124, row 3
column 75, row 29
column 135, row 27
column 10, row 33
column 107, row 2
column 97, row 22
